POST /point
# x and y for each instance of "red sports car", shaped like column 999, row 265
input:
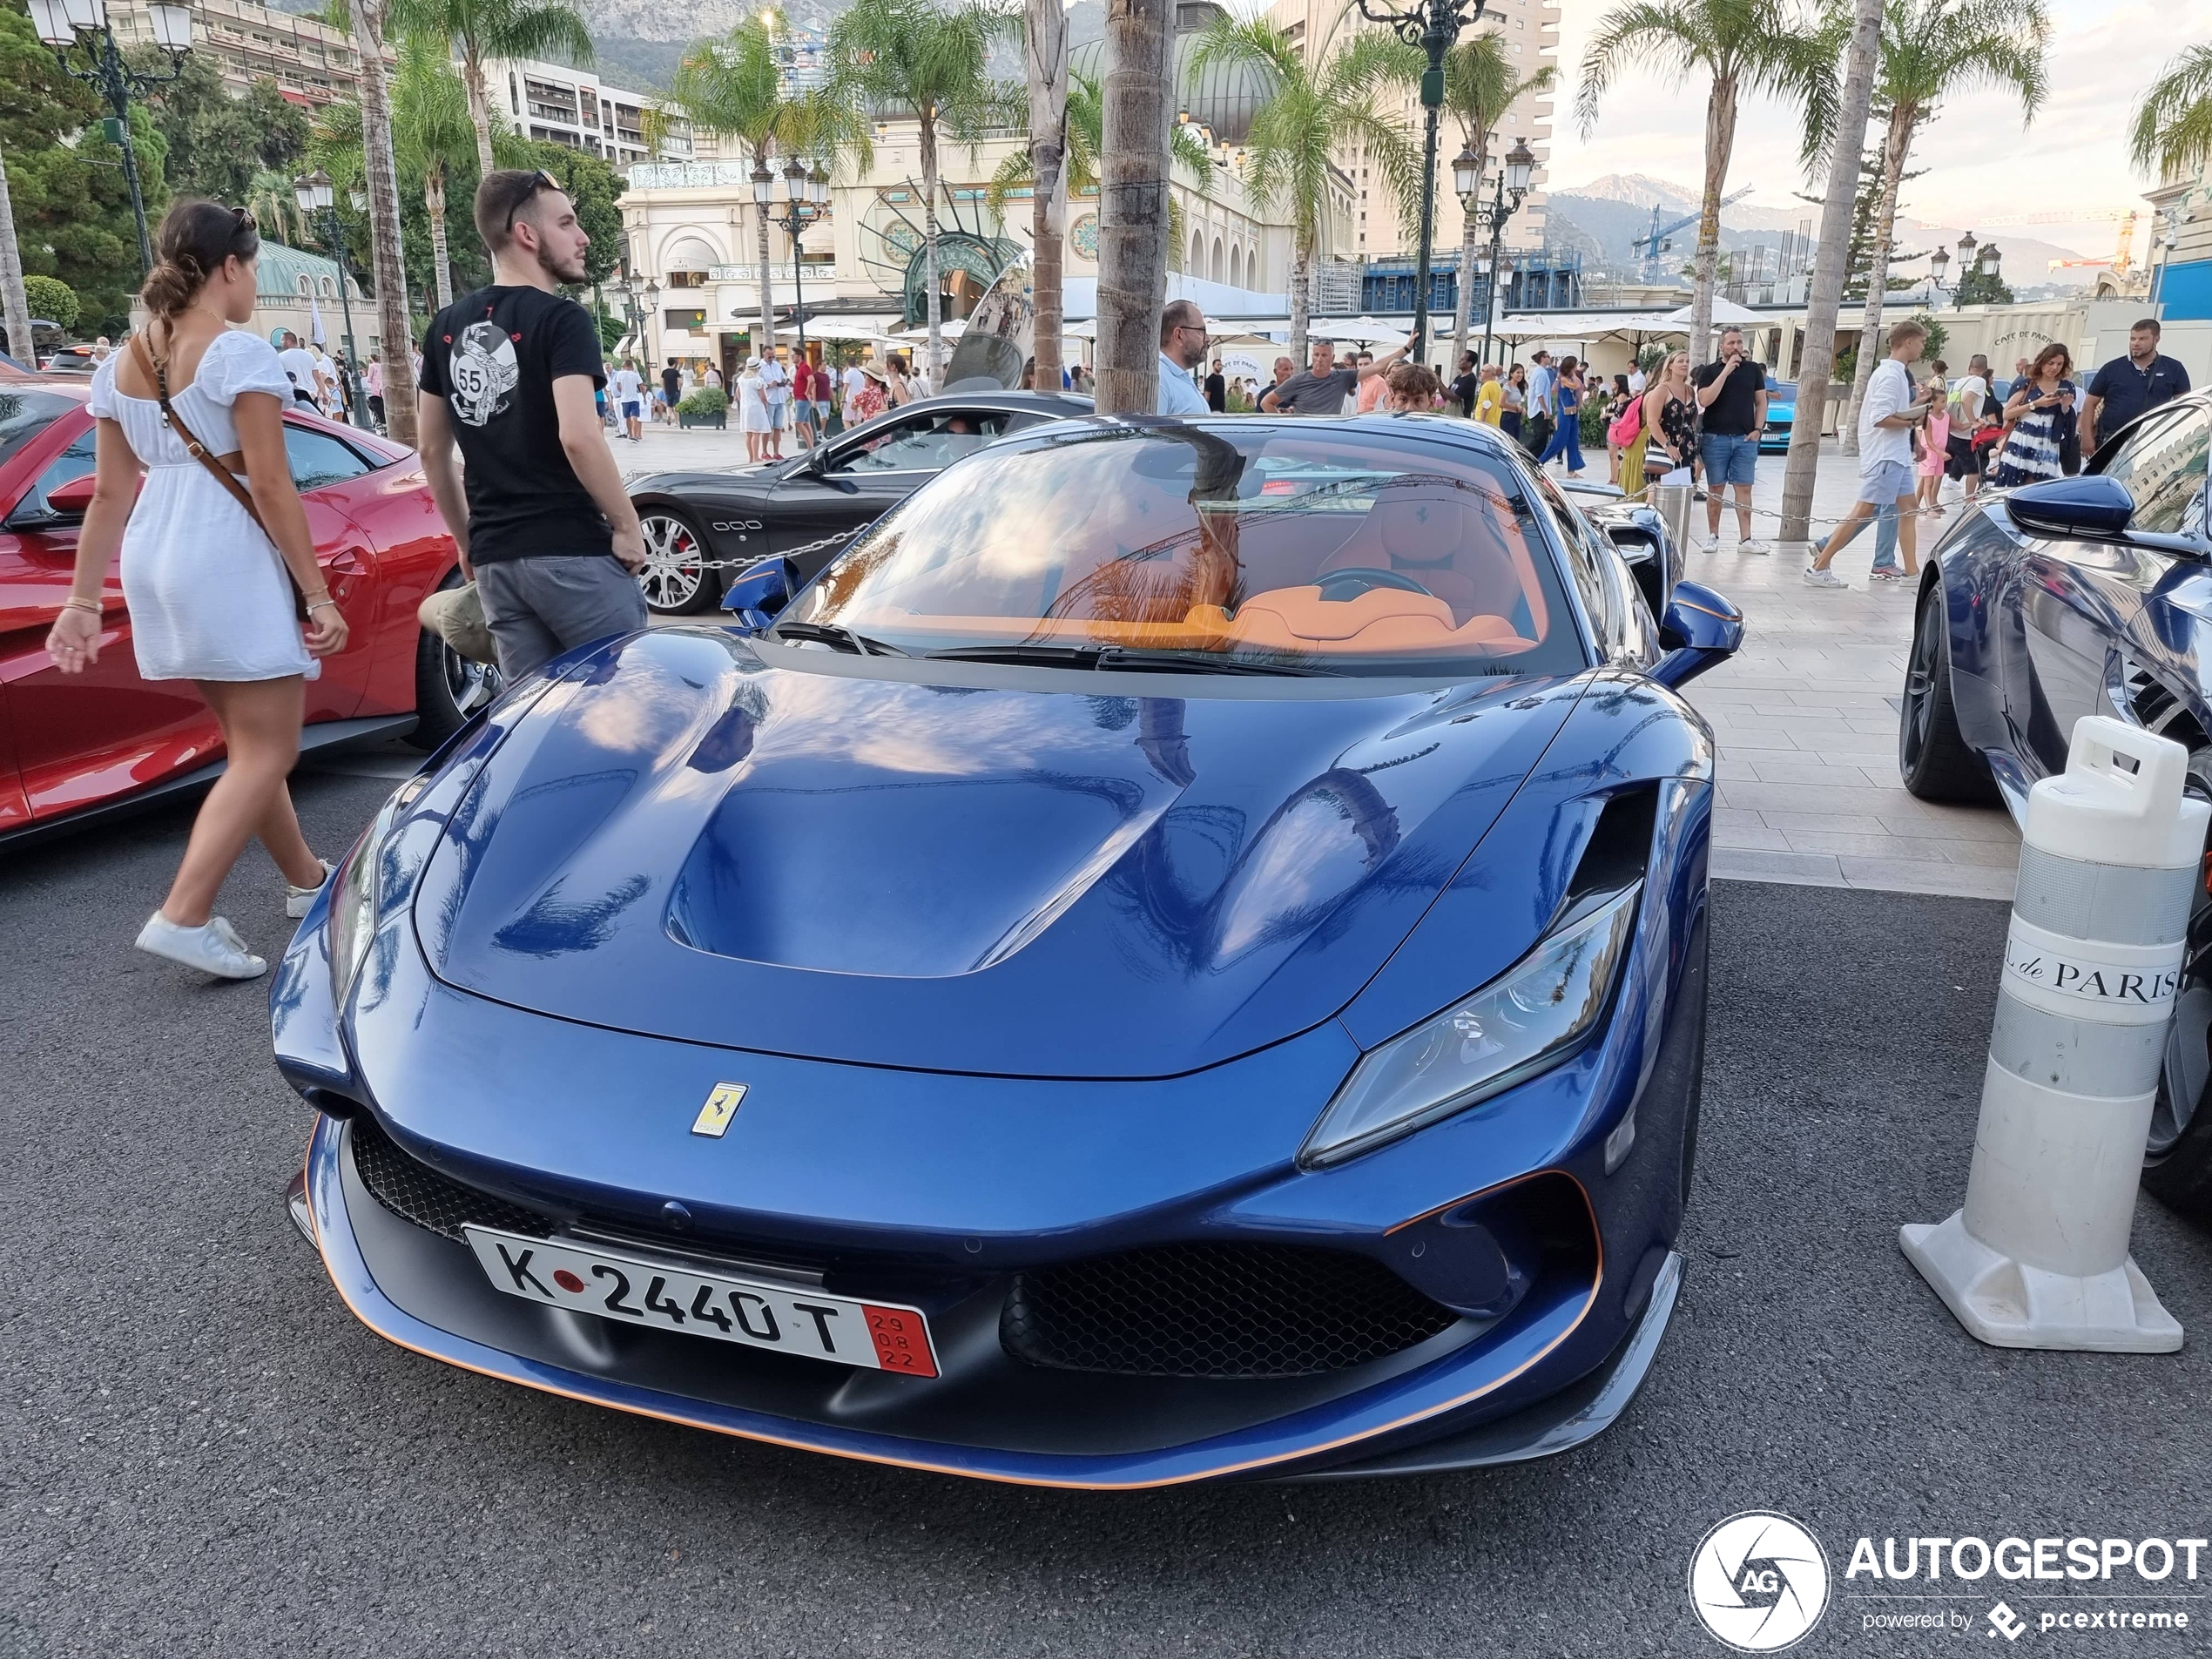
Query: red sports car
column 72, row 748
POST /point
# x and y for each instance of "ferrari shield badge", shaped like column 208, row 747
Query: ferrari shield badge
column 721, row 1106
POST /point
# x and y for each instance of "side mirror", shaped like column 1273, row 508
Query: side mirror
column 759, row 592
column 1701, row 631
column 2091, row 505
column 72, row 499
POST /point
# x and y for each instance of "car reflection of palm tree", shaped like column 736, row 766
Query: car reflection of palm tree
column 552, row 926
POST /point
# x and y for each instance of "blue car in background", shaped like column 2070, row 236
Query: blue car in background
column 1781, row 416
column 1180, row 955
column 2090, row 595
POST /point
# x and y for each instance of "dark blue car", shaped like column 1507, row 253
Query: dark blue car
column 1180, row 955
column 2090, row 595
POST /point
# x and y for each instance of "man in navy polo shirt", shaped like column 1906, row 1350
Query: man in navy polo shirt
column 2127, row 387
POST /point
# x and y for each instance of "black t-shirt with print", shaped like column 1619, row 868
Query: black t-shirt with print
column 493, row 355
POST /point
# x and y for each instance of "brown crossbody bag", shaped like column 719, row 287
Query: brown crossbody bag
column 158, row 372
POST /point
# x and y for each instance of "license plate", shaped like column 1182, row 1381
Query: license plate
column 759, row 1313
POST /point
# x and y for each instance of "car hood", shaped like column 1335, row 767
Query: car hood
column 959, row 868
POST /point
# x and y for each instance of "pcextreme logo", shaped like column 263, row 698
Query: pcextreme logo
column 1759, row 1581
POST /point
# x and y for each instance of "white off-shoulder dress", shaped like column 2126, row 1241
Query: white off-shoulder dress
column 208, row 594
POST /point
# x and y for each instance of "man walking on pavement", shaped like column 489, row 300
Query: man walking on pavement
column 1893, row 408
column 2130, row 386
column 1731, row 403
column 1182, row 348
column 1323, row 388
column 544, row 526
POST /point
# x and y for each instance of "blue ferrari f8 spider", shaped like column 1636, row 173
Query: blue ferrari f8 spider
column 1180, row 955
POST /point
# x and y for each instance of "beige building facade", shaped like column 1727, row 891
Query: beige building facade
column 312, row 63
column 1529, row 29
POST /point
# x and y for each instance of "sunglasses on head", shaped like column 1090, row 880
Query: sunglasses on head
column 539, row 180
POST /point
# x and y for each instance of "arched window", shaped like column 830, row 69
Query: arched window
column 686, row 263
column 1196, row 266
column 1220, row 270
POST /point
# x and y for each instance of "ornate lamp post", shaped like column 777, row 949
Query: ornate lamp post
column 1432, row 25
column 1510, row 180
column 1966, row 247
column 1938, row 262
column 63, row 23
column 806, row 198
column 318, row 205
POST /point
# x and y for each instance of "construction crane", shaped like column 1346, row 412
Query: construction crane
column 1654, row 243
column 2123, row 257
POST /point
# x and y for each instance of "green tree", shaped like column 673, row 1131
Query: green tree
column 1086, row 133
column 1320, row 95
column 915, row 58
column 52, row 300
column 1481, row 83
column 1931, row 49
column 1773, row 47
column 484, row 29
column 217, row 142
column 2171, row 134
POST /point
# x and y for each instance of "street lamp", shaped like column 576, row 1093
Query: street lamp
column 1938, row 262
column 1511, row 180
column 317, row 197
column 1432, row 25
column 806, row 199
column 64, row 23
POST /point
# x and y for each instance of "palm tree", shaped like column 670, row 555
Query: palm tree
column 1084, row 135
column 484, row 29
column 734, row 88
column 372, row 20
column 14, row 308
column 913, row 57
column 270, row 199
column 1744, row 46
column 432, row 134
column 1317, row 97
column 1133, row 202
column 1931, row 48
column 1044, row 55
column 2172, row 131
column 1816, row 354
column 1481, row 83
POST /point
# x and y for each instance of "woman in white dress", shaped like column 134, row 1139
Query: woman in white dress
column 210, row 595
column 752, row 410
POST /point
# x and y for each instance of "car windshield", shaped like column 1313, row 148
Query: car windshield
column 1240, row 546
column 24, row 414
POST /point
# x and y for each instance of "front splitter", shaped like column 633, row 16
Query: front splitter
column 1323, row 1442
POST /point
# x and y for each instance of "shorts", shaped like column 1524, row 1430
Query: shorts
column 802, row 413
column 1885, row 482
column 1731, row 457
column 1960, row 460
column 631, row 409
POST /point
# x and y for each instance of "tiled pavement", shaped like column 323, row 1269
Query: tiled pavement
column 1806, row 714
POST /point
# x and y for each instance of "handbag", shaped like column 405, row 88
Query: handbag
column 158, row 374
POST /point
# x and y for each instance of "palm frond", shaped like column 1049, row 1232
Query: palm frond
column 1664, row 37
column 2172, row 130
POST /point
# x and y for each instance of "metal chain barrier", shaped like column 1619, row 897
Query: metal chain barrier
column 750, row 560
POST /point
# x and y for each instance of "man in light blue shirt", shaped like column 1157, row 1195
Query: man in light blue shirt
column 1182, row 348
column 1542, row 380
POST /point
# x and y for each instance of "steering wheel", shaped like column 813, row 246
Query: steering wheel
column 1355, row 579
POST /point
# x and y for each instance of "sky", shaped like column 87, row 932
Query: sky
column 1982, row 168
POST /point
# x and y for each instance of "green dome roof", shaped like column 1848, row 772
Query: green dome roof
column 1225, row 98
column 292, row 273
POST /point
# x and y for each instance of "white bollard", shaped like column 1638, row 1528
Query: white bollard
column 2110, row 861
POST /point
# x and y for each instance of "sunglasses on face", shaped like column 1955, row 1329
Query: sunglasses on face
column 539, row 180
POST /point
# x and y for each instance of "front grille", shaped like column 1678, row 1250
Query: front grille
column 414, row 1191
column 1215, row 1310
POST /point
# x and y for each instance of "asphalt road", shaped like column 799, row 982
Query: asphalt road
column 204, row 1454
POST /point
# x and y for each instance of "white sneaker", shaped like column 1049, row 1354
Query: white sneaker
column 1710, row 544
column 1753, row 547
column 300, row 901
column 213, row 948
column 1815, row 578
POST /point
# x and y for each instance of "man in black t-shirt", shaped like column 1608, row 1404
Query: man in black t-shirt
column 1217, row 389
column 510, row 372
column 1731, row 407
column 1466, row 385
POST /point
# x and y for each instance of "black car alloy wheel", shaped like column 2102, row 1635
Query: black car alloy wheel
column 675, row 577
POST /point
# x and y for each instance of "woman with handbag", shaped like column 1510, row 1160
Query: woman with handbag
column 216, row 571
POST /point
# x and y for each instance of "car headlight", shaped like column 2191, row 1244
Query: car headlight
column 353, row 897
column 1528, row 1019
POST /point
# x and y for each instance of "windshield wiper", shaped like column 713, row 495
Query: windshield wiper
column 1125, row 656
column 831, row 633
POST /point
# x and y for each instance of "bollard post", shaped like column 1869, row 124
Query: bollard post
column 2110, row 854
column 1673, row 502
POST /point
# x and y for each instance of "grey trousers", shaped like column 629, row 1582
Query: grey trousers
column 539, row 607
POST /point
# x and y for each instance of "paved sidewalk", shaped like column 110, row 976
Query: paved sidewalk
column 1807, row 713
